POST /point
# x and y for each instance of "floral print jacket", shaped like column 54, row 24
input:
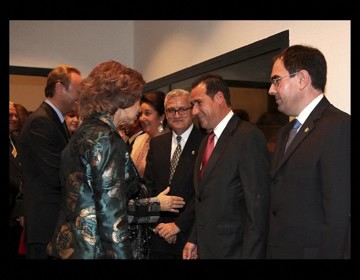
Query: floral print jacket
column 99, row 179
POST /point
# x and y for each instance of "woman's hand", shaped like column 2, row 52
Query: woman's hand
column 170, row 203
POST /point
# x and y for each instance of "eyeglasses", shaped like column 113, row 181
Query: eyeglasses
column 172, row 111
column 276, row 81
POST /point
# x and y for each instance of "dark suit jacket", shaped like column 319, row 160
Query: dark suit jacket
column 232, row 197
column 42, row 140
column 310, row 192
column 156, row 176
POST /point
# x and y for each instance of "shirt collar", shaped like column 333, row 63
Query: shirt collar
column 184, row 136
column 221, row 126
column 60, row 115
column 308, row 109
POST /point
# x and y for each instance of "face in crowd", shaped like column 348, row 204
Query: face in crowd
column 13, row 118
column 72, row 121
column 178, row 113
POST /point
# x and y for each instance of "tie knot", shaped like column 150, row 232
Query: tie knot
column 178, row 139
column 211, row 135
column 296, row 124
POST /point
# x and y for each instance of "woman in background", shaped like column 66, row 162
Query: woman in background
column 23, row 113
column 153, row 122
column 16, row 208
column 72, row 121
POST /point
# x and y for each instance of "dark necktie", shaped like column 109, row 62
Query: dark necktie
column 66, row 130
column 208, row 150
column 292, row 133
column 175, row 158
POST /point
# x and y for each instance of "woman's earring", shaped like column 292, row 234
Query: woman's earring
column 161, row 128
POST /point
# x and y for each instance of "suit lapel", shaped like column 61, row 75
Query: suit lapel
column 52, row 114
column 189, row 152
column 219, row 147
column 304, row 131
column 165, row 155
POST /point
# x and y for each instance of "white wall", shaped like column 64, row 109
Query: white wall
column 84, row 44
column 164, row 47
column 159, row 48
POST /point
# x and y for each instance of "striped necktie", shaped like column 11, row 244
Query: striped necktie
column 175, row 158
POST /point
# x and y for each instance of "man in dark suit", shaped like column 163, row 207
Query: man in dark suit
column 232, row 191
column 43, row 137
column 310, row 192
column 173, row 229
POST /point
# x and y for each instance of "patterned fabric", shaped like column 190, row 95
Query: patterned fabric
column 142, row 216
column 175, row 158
column 100, row 179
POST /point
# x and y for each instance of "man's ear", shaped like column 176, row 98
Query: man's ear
column 219, row 97
column 59, row 87
column 304, row 78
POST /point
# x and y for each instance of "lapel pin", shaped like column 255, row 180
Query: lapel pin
column 306, row 129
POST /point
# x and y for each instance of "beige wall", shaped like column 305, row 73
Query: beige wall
column 253, row 100
column 159, row 48
column 27, row 90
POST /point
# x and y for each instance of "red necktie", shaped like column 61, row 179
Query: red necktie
column 208, row 150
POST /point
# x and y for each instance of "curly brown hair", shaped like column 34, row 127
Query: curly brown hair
column 109, row 86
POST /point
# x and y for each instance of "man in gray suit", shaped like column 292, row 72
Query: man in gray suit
column 232, row 191
column 310, row 192
column 43, row 137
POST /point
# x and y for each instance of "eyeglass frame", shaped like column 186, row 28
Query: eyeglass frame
column 181, row 111
column 276, row 81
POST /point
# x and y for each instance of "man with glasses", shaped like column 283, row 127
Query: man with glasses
column 310, row 192
column 170, row 162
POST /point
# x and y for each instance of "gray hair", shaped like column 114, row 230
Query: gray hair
column 175, row 93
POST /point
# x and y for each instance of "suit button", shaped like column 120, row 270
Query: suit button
column 199, row 199
column 274, row 181
column 274, row 213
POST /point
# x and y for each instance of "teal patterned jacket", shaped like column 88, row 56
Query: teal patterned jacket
column 99, row 179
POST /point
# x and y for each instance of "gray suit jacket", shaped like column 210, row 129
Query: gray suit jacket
column 232, row 197
column 310, row 192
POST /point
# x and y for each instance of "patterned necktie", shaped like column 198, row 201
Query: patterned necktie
column 208, row 150
column 175, row 158
column 13, row 150
column 292, row 133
